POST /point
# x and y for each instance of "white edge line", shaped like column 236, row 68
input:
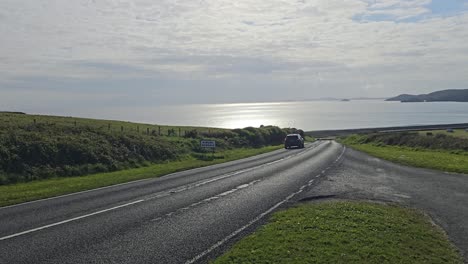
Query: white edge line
column 75, row 193
column 233, row 234
column 139, row 201
column 68, row 220
column 221, row 242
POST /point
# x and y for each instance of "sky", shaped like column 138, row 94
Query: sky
column 57, row 55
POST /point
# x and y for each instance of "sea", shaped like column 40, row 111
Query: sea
column 308, row 115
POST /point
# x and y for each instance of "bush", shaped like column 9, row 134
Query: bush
column 413, row 140
column 40, row 152
column 32, row 150
column 191, row 133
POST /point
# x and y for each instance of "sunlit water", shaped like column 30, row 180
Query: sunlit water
column 314, row 115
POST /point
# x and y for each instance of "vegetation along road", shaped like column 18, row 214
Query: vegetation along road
column 195, row 215
column 173, row 219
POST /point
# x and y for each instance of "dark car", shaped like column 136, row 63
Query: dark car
column 293, row 140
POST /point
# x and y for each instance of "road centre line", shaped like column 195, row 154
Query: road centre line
column 191, row 186
column 114, row 185
column 132, row 203
column 209, row 199
column 235, row 233
column 221, row 242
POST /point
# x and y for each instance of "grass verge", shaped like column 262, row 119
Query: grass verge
column 460, row 133
column 432, row 159
column 345, row 232
column 23, row 192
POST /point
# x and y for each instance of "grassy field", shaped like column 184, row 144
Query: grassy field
column 36, row 147
column 450, row 159
column 45, row 156
column 438, row 160
column 461, row 133
column 7, row 119
column 23, row 192
column 344, row 232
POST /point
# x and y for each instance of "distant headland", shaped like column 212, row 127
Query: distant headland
column 452, row 95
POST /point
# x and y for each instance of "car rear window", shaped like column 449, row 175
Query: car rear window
column 292, row 137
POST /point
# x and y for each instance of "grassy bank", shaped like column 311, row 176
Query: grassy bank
column 34, row 147
column 461, row 133
column 23, row 192
column 344, row 232
column 442, row 152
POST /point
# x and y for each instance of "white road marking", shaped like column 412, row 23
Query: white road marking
column 68, row 220
column 185, row 188
column 139, row 201
column 75, row 193
column 209, row 199
column 235, row 233
column 221, row 242
column 227, row 192
column 136, row 181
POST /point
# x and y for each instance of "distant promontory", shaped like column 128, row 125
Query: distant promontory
column 452, row 95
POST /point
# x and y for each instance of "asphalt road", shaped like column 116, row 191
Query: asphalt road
column 192, row 216
column 179, row 218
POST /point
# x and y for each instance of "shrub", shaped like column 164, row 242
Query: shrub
column 32, row 150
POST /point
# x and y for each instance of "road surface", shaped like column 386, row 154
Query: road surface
column 179, row 218
column 192, row 216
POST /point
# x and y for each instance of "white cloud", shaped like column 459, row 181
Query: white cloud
column 319, row 43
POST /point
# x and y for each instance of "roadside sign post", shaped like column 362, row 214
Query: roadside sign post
column 210, row 144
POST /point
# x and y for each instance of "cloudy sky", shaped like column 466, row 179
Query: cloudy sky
column 59, row 54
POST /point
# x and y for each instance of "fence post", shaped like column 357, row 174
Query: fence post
column 138, row 128
column 179, row 132
column 74, row 122
column 147, row 131
column 159, row 130
column 121, row 128
column 108, row 126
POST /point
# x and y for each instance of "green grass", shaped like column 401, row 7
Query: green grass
column 344, row 232
column 34, row 147
column 461, row 133
column 432, row 159
column 7, row 119
column 23, row 192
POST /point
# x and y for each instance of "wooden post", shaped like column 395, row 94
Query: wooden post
column 34, row 120
column 159, row 130
column 74, row 123
column 179, row 132
column 138, row 128
column 147, row 131
column 108, row 126
column 121, row 128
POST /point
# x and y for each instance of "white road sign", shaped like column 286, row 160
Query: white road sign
column 208, row 144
